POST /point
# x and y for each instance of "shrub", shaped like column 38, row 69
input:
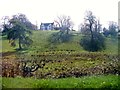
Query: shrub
column 59, row 37
column 96, row 44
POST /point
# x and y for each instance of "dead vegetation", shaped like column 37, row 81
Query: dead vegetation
column 59, row 65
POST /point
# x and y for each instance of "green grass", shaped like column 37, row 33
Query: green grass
column 40, row 43
column 104, row 81
column 5, row 45
column 111, row 46
column 0, row 83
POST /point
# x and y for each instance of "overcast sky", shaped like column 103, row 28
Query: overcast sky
column 48, row 10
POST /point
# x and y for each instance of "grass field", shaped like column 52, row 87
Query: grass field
column 108, row 82
column 40, row 43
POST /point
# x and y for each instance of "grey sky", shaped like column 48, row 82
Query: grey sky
column 48, row 10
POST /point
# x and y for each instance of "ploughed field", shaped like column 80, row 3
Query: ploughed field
column 60, row 64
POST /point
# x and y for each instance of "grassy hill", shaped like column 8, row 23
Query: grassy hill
column 40, row 43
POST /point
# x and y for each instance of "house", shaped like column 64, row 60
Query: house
column 47, row 26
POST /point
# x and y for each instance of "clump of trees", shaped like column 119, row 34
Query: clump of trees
column 22, row 18
column 60, row 37
column 17, row 30
column 112, row 30
column 92, row 39
column 64, row 24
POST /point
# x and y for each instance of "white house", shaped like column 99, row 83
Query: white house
column 47, row 26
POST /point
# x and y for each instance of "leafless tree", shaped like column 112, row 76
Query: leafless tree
column 5, row 22
column 64, row 23
column 91, row 24
column 28, row 69
column 91, row 29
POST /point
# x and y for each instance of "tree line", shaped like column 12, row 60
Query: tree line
column 93, row 36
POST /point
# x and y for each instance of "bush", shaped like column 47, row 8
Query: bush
column 96, row 44
column 60, row 37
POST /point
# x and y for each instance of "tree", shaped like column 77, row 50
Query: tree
column 17, row 31
column 5, row 25
column 113, row 27
column 59, row 37
column 112, row 30
column 28, row 69
column 64, row 23
column 0, row 28
column 23, row 19
column 105, row 32
column 92, row 39
column 82, row 28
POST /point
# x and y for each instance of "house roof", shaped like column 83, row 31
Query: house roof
column 46, row 24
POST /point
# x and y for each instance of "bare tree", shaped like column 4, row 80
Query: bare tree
column 98, row 26
column 28, row 67
column 23, row 19
column 64, row 23
column 5, row 19
column 113, row 28
column 93, row 40
column 5, row 23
